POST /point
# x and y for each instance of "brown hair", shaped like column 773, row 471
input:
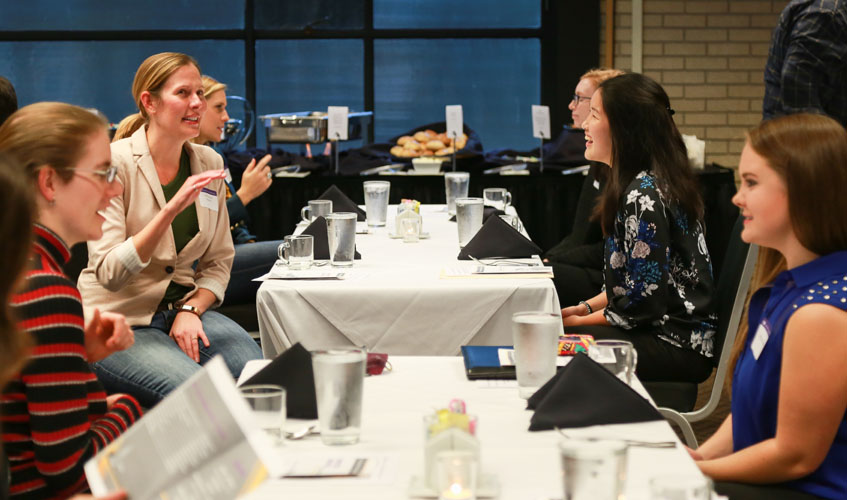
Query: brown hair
column 600, row 75
column 48, row 134
column 809, row 153
column 151, row 77
column 16, row 217
column 644, row 137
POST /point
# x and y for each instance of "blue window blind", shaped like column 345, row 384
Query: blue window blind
column 100, row 15
column 99, row 74
column 308, row 75
column 312, row 14
column 456, row 14
column 495, row 80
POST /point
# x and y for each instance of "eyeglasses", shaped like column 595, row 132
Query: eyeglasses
column 108, row 174
column 576, row 99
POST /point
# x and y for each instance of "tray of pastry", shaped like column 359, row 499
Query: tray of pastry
column 310, row 126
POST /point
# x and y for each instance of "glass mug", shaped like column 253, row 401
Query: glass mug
column 315, row 209
column 297, row 251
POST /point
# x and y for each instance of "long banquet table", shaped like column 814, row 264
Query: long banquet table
column 394, row 299
column 526, row 464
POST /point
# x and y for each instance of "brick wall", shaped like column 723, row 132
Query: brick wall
column 709, row 55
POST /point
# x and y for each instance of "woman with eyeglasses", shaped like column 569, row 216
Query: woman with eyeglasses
column 658, row 274
column 55, row 414
column 166, row 252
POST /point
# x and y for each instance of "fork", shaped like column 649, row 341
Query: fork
column 628, row 442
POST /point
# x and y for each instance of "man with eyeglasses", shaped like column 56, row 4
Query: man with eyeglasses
column 578, row 259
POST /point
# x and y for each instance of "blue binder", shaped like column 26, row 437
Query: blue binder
column 482, row 362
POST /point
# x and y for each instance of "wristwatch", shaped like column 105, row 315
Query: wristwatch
column 189, row 308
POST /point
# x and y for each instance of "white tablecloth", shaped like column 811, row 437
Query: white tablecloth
column 394, row 301
column 526, row 464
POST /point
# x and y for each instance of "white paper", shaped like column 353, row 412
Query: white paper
column 513, row 270
column 337, row 126
column 281, row 272
column 228, row 175
column 453, row 114
column 208, row 198
column 326, row 467
column 540, row 121
column 201, row 441
column 759, row 340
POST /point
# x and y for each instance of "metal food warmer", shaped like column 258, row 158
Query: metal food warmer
column 310, row 127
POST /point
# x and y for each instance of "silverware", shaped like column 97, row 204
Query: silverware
column 494, row 261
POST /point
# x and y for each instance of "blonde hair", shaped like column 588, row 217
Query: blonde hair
column 809, row 153
column 151, row 77
column 600, row 75
column 210, row 86
column 49, row 134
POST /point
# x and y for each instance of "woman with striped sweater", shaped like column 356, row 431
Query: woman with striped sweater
column 55, row 414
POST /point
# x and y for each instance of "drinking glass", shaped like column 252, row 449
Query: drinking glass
column 297, row 251
column 536, row 338
column 512, row 220
column 411, row 230
column 617, row 356
column 268, row 404
column 376, row 202
column 456, row 186
column 341, row 235
column 498, row 198
column 593, row 470
column 456, row 474
column 469, row 218
column 315, row 209
column 339, row 380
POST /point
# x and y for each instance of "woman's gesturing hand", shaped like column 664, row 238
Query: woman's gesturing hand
column 191, row 189
column 107, row 333
column 255, row 180
column 186, row 330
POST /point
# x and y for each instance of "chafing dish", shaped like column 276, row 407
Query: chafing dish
column 310, row 126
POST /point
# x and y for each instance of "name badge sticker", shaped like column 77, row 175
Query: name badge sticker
column 208, row 198
column 760, row 338
column 228, row 175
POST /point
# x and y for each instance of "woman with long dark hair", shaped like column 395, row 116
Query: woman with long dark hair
column 658, row 276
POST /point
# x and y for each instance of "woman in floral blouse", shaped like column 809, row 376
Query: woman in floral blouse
column 658, row 275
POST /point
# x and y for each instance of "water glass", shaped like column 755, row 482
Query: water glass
column 376, row 202
column 339, row 380
column 268, row 404
column 456, row 186
column 411, row 230
column 680, row 488
column 617, row 356
column 341, row 235
column 456, row 474
column 297, row 251
column 498, row 198
column 593, row 470
column 536, row 338
column 315, row 209
column 469, row 218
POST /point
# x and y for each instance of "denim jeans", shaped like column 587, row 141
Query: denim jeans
column 155, row 365
column 251, row 261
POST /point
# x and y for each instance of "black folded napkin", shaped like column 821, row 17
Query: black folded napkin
column 496, row 238
column 292, row 369
column 321, row 243
column 341, row 202
column 486, row 213
column 584, row 393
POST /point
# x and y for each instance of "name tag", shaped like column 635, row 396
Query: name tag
column 228, row 175
column 209, row 199
column 760, row 339
column 596, row 184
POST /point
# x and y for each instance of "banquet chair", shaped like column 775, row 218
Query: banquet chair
column 731, row 297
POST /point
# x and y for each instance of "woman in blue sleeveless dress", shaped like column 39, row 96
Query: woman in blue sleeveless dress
column 787, row 431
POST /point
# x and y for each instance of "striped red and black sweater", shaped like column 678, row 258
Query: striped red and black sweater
column 53, row 413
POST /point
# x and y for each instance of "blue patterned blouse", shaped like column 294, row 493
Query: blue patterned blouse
column 657, row 269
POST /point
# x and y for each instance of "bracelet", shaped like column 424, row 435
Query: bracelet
column 586, row 306
column 189, row 308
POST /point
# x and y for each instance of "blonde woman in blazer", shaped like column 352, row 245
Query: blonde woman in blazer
column 165, row 255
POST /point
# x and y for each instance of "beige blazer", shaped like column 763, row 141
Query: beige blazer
column 116, row 279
